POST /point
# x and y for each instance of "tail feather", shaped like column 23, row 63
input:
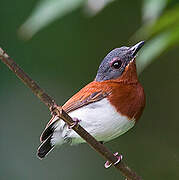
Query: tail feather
column 48, row 131
column 51, row 136
column 45, row 148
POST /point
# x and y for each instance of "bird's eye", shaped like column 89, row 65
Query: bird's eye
column 117, row 64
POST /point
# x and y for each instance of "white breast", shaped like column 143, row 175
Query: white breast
column 100, row 119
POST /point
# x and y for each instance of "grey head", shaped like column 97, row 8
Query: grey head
column 114, row 64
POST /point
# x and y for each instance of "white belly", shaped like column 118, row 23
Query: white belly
column 100, row 119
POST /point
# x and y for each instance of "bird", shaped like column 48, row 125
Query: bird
column 107, row 107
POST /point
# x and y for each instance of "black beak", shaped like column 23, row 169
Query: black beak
column 136, row 48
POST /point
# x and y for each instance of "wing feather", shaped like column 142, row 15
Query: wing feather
column 89, row 94
column 76, row 102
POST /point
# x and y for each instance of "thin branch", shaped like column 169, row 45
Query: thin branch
column 49, row 102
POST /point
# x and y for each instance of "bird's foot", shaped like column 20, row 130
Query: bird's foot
column 119, row 157
column 52, row 108
column 75, row 122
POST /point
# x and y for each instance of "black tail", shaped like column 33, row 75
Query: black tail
column 45, row 148
column 45, row 138
column 48, row 131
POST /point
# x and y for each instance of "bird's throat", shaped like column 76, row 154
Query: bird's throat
column 129, row 76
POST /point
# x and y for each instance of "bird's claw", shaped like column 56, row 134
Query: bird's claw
column 108, row 164
column 75, row 122
column 52, row 108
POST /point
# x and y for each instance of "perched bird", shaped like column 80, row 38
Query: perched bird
column 107, row 107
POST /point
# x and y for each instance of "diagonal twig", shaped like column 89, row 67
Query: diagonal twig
column 49, row 102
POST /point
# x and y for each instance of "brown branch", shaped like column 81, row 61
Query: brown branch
column 48, row 101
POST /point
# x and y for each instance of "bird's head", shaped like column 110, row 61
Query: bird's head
column 117, row 62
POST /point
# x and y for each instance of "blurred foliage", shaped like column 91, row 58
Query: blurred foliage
column 160, row 22
column 160, row 28
column 47, row 11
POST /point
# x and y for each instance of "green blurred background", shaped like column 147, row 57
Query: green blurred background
column 63, row 57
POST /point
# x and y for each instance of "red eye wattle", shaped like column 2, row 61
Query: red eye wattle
column 117, row 64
